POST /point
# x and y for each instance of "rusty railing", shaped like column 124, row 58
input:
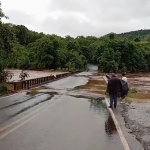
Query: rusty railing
column 27, row 84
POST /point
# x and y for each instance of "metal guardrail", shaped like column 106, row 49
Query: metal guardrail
column 27, row 84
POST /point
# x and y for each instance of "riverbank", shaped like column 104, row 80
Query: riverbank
column 32, row 74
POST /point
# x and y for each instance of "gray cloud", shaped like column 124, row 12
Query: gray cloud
column 18, row 17
column 68, row 5
column 86, row 17
column 70, row 24
column 104, row 16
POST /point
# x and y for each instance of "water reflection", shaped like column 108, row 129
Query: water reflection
column 97, row 105
column 110, row 126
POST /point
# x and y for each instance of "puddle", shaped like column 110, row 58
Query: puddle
column 89, row 97
column 110, row 127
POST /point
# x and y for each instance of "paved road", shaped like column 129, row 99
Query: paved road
column 67, row 120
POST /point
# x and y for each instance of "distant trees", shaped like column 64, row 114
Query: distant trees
column 32, row 50
column 26, row 49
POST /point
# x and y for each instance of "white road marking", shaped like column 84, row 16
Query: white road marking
column 24, row 120
column 27, row 118
column 21, row 119
column 15, row 128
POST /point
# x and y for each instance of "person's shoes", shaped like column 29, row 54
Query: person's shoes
column 110, row 106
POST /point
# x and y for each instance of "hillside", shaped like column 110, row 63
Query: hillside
column 137, row 36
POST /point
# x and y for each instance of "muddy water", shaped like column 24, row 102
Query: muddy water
column 32, row 74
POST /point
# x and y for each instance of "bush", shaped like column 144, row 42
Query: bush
column 3, row 89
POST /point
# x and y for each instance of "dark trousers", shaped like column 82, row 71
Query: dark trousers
column 113, row 99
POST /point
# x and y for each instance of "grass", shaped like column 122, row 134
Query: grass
column 128, row 100
column 133, row 93
column 136, row 96
column 139, row 95
column 3, row 89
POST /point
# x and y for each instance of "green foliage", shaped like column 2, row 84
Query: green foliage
column 45, row 53
column 26, row 49
column 4, row 75
column 111, row 36
column 31, row 50
column 6, row 43
column 3, row 89
column 137, row 39
column 2, row 15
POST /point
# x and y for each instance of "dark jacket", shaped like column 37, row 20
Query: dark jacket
column 125, row 88
column 114, row 85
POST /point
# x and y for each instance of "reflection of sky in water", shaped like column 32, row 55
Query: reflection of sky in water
column 92, row 67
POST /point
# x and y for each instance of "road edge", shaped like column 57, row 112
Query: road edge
column 121, row 135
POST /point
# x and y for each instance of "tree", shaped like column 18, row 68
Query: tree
column 2, row 15
column 111, row 36
column 76, row 61
column 73, row 45
column 21, row 33
column 6, row 40
column 107, row 61
column 45, row 53
column 137, row 39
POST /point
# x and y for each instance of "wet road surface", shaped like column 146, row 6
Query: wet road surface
column 70, row 120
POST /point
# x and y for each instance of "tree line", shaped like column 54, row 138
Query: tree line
column 26, row 49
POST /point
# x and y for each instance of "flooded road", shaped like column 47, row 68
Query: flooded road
column 71, row 119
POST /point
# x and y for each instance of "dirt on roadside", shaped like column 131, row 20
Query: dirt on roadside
column 137, row 113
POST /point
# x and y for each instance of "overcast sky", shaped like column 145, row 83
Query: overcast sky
column 79, row 17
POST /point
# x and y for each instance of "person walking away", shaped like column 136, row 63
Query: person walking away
column 125, row 87
column 113, row 88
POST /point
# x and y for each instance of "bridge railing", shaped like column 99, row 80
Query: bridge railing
column 27, row 84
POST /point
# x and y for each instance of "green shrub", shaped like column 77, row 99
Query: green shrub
column 3, row 89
